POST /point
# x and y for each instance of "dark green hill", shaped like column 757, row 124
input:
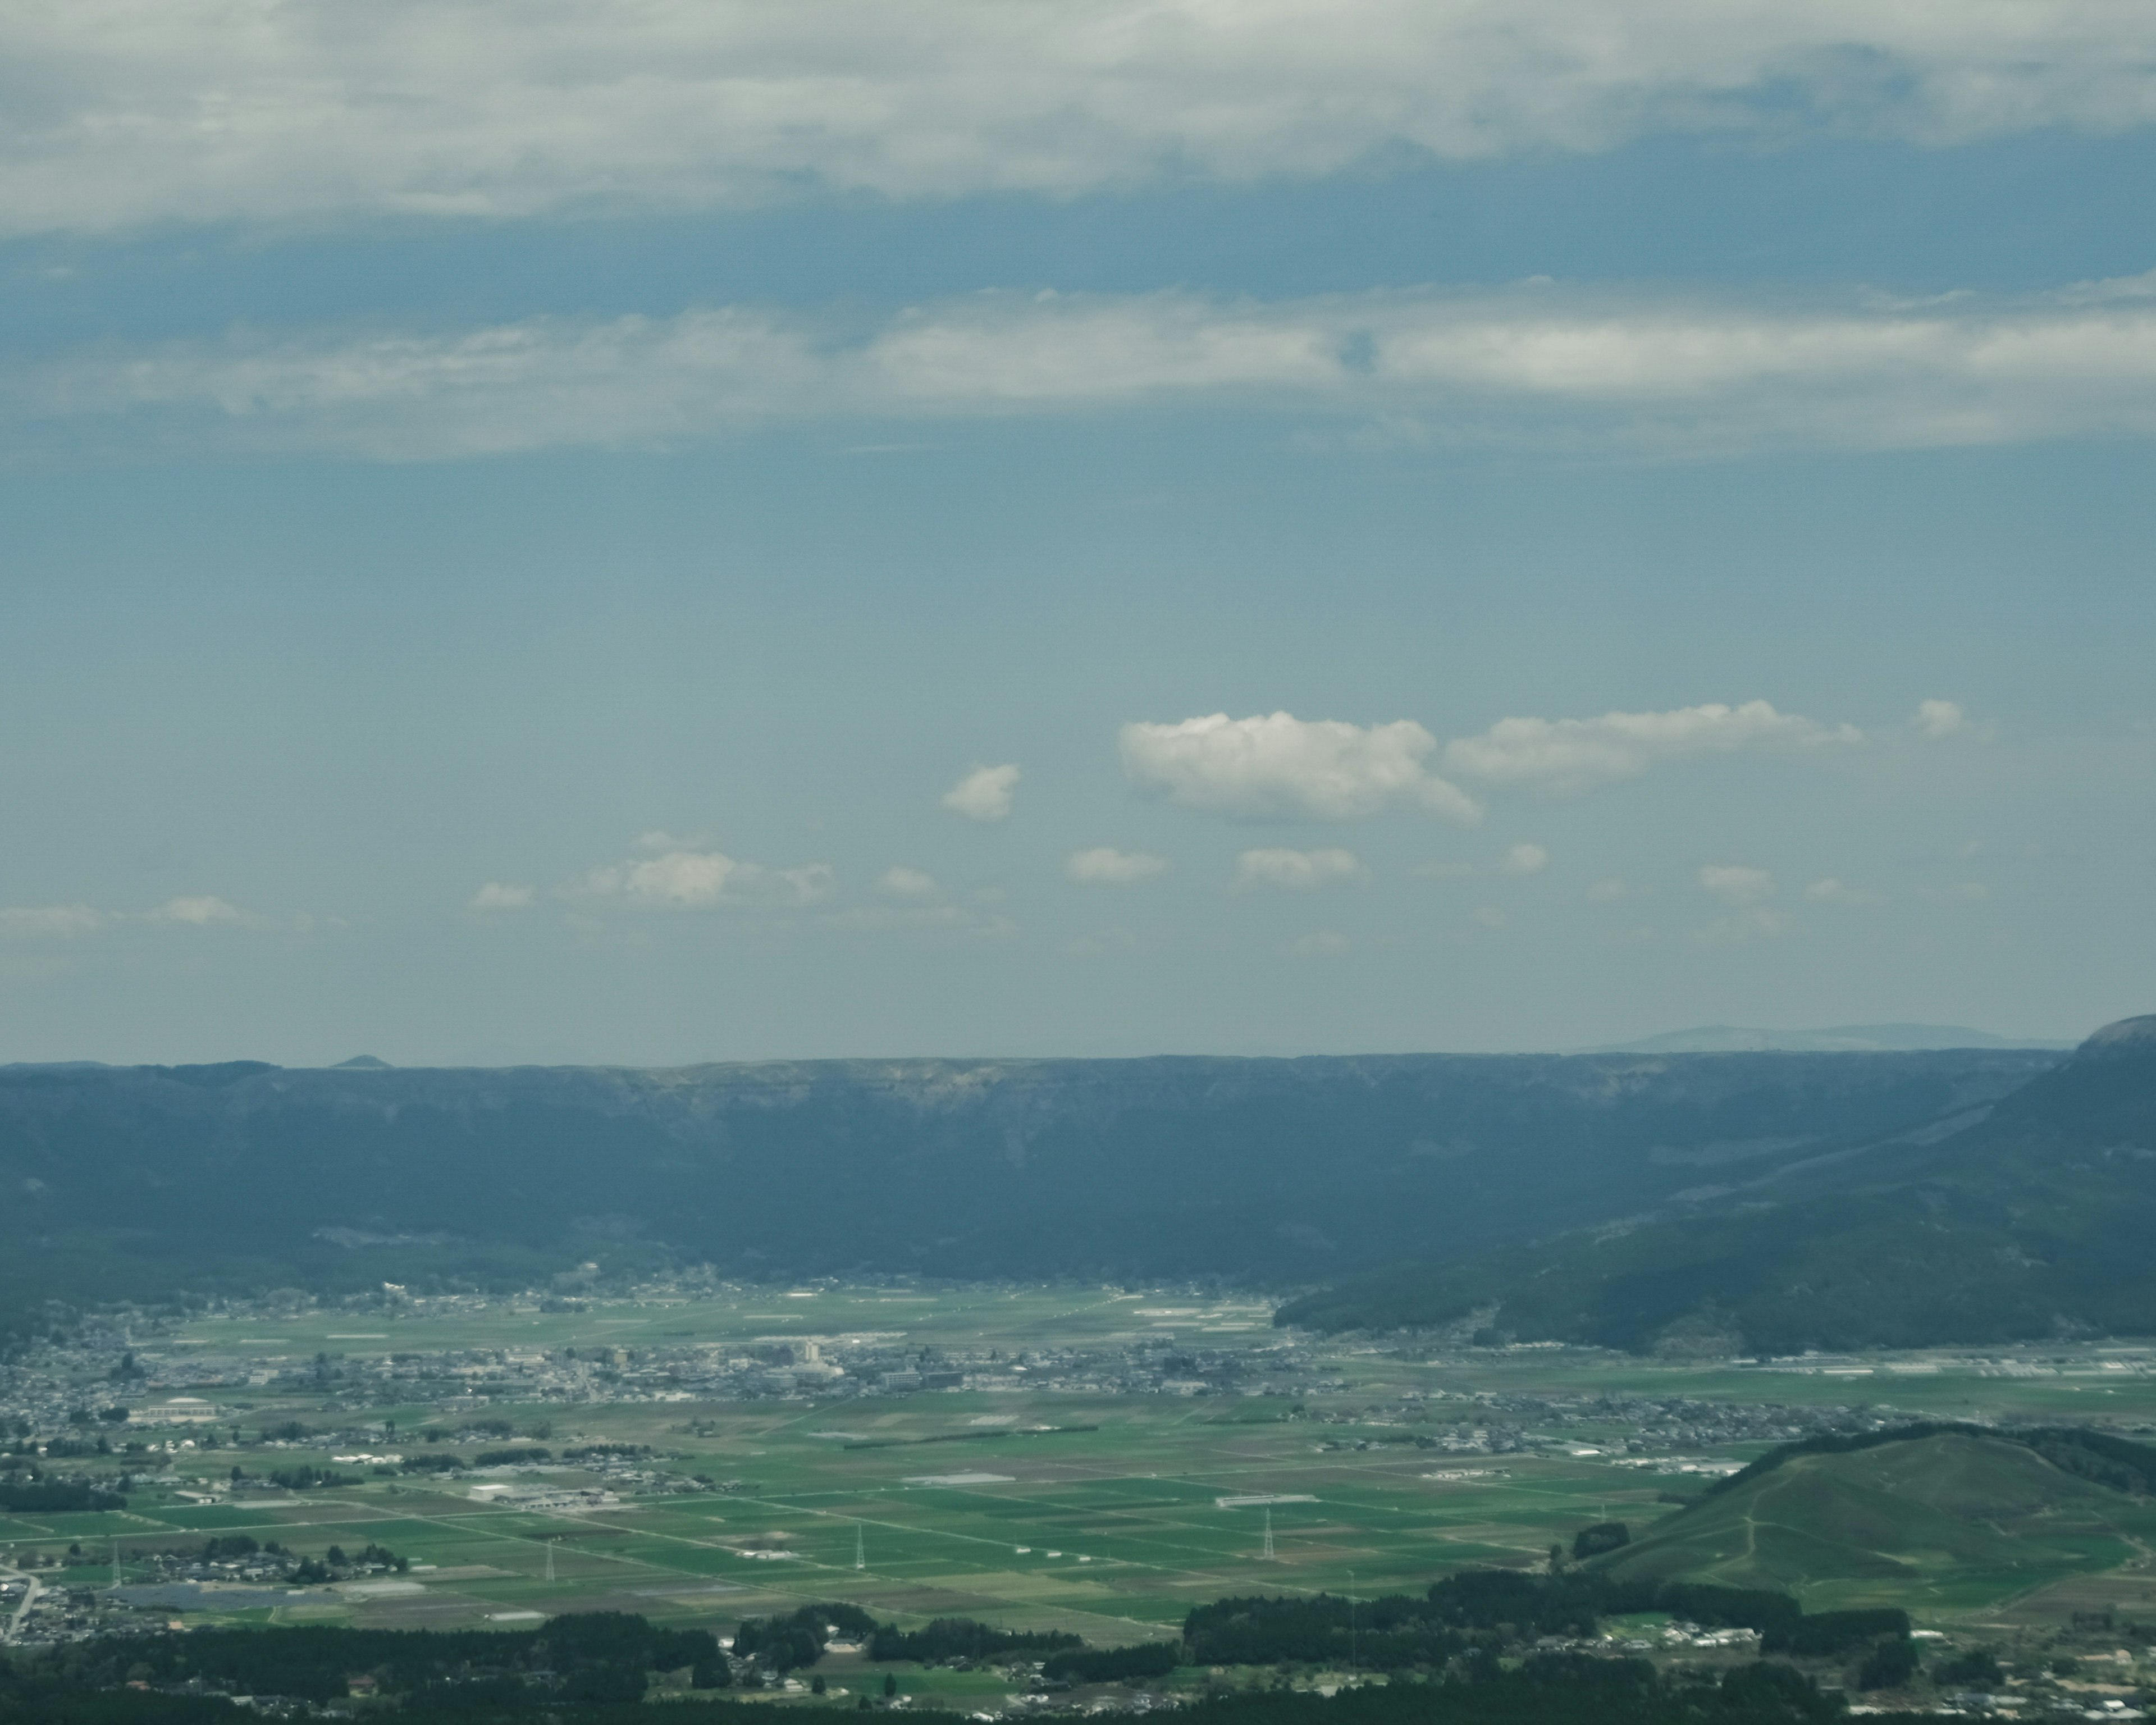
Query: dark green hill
column 1951, row 1519
column 140, row 1182
column 2032, row 1222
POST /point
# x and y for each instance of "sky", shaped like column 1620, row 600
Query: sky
column 658, row 532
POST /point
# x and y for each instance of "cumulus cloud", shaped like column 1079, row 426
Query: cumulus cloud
column 1278, row 766
column 1830, row 891
column 1104, row 866
column 1299, row 870
column 899, row 881
column 984, row 794
column 1609, row 890
column 681, row 879
column 1524, row 859
column 1318, row 943
column 1491, row 915
column 1936, row 721
column 501, row 895
column 1569, row 369
column 1567, row 756
column 153, row 112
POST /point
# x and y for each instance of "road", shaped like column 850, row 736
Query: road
column 13, row 1625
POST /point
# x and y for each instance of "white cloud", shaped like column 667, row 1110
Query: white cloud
column 49, row 922
column 1936, row 721
column 984, row 794
column 1299, row 870
column 1556, row 368
column 1958, row 892
column 1491, row 915
column 1318, row 943
column 1565, row 756
column 1104, row 866
column 1735, row 885
column 150, row 112
column 1524, row 859
column 1829, row 890
column 1278, row 766
column 1608, row 891
column 501, row 895
column 696, row 879
column 900, row 881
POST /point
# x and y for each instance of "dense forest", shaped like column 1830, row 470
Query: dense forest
column 1455, row 1648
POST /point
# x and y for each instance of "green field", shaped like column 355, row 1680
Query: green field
column 1113, row 1532
column 1109, row 1523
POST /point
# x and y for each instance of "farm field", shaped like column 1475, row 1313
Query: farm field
column 1106, row 1514
column 1112, row 1526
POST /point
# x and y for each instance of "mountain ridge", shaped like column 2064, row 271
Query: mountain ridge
column 2029, row 1222
column 241, row 1175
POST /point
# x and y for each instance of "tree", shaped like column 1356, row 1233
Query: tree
column 890, row 1684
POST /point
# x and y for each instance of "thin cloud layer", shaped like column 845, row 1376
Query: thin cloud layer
column 1529, row 368
column 184, row 110
column 1276, row 767
column 1298, row 871
column 187, row 911
column 1568, row 756
column 1104, row 866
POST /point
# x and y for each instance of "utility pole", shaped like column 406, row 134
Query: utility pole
column 860, row 1547
column 115, row 1562
column 1269, row 1532
column 550, row 1559
column 1354, row 1656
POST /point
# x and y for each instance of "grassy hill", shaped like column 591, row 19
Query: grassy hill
column 2031, row 1223
column 1950, row 1521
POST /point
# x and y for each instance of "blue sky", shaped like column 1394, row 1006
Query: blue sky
column 664, row 532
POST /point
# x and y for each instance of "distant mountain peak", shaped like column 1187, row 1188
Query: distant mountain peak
column 362, row 1063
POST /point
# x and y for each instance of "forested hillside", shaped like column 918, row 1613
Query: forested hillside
column 2032, row 1222
column 140, row 1181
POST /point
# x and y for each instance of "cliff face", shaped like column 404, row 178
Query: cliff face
column 127, row 1180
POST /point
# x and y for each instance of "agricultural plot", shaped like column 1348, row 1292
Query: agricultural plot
column 1051, row 1504
column 1110, row 1527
